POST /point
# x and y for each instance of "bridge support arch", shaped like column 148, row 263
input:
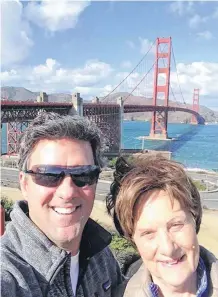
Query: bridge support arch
column 15, row 128
column 14, row 131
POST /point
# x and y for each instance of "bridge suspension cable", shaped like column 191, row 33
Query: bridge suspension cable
column 178, row 76
column 131, row 72
column 144, row 76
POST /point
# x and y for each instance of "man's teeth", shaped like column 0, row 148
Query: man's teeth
column 63, row 210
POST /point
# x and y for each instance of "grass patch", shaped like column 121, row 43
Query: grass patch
column 119, row 243
column 200, row 186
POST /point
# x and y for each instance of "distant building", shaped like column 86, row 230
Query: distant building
column 43, row 97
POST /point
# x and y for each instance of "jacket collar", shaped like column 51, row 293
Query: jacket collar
column 94, row 239
column 26, row 237
column 211, row 264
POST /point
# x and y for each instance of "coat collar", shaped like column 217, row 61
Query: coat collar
column 211, row 264
column 94, row 239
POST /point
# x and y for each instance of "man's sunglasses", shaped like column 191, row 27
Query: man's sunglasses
column 53, row 175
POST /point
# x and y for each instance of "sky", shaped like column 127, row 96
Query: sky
column 90, row 46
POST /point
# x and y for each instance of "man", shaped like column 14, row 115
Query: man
column 51, row 247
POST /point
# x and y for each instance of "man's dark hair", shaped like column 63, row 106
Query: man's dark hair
column 52, row 126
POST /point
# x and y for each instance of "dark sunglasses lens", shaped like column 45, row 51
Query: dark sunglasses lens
column 82, row 181
column 51, row 176
column 47, row 180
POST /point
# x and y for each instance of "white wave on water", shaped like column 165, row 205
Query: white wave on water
column 201, row 170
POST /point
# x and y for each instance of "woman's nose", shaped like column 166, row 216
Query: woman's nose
column 166, row 245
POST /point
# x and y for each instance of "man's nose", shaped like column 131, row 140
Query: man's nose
column 167, row 246
column 67, row 189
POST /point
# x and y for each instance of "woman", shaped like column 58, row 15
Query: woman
column 157, row 207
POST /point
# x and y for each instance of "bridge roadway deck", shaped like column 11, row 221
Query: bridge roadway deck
column 13, row 110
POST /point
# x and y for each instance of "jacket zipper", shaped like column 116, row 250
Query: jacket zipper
column 56, row 272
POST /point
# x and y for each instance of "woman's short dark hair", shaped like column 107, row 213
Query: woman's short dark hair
column 145, row 173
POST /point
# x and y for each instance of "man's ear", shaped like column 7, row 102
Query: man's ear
column 23, row 184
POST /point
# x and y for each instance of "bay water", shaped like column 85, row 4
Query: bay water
column 195, row 146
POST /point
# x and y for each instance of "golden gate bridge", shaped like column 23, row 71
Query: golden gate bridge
column 153, row 81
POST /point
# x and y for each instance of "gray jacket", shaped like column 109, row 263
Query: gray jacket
column 32, row 266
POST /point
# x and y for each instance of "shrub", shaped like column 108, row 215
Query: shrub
column 124, row 251
column 112, row 162
column 200, row 186
column 6, row 202
column 121, row 244
column 8, row 206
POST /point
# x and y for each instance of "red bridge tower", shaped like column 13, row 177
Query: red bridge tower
column 195, row 105
column 160, row 118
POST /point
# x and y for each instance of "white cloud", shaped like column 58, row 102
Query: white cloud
column 196, row 20
column 136, row 83
column 188, row 8
column 91, row 92
column 10, row 76
column 55, row 15
column 126, row 64
column 52, row 76
column 15, row 33
column 146, row 45
column 181, row 7
column 130, row 44
column 202, row 75
column 15, row 24
column 97, row 78
column 205, row 35
column 46, row 69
